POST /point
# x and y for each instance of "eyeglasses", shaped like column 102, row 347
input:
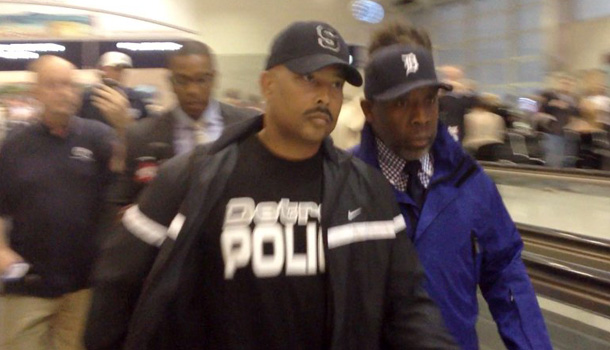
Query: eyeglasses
column 184, row 81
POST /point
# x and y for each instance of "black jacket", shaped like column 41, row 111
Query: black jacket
column 374, row 277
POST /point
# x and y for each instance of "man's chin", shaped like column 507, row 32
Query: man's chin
column 413, row 153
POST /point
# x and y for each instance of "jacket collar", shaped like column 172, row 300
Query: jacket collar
column 450, row 161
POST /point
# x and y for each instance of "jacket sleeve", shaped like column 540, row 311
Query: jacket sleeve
column 414, row 320
column 129, row 253
column 124, row 189
column 504, row 281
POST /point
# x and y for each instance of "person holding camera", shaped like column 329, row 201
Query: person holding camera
column 112, row 102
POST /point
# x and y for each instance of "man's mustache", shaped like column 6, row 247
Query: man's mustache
column 320, row 110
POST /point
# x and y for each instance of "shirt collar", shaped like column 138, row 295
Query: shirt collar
column 392, row 166
column 207, row 116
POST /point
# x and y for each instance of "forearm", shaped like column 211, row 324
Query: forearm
column 3, row 233
column 7, row 255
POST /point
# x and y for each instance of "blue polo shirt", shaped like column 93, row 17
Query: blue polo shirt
column 53, row 188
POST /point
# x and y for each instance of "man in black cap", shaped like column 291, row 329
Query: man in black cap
column 455, row 217
column 286, row 242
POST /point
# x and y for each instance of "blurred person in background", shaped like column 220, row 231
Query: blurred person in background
column 53, row 175
column 560, row 103
column 350, row 122
column 484, row 130
column 197, row 119
column 111, row 102
column 461, row 230
column 454, row 104
column 596, row 91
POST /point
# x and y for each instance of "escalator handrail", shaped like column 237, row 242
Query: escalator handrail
column 570, row 268
column 573, row 237
column 567, row 172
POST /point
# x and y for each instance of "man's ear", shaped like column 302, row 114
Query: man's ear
column 367, row 109
column 266, row 83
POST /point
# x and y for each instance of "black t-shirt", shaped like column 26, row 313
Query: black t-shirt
column 52, row 188
column 560, row 106
column 262, row 280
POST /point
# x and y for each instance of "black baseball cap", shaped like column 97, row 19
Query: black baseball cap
column 398, row 69
column 305, row 47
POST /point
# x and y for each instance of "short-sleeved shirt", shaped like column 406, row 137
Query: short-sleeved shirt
column 52, row 189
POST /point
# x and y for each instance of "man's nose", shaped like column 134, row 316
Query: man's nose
column 420, row 115
column 324, row 92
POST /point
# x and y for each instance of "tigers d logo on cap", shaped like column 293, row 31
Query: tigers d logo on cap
column 395, row 70
column 411, row 65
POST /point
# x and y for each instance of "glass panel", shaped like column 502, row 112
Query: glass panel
column 474, row 72
column 491, row 49
column 449, row 34
column 449, row 56
column 530, row 43
column 490, row 5
column 533, row 71
column 492, row 74
column 588, row 9
column 490, row 25
column 450, row 12
column 529, row 17
column 421, row 18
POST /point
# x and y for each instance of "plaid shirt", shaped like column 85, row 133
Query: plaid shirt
column 392, row 167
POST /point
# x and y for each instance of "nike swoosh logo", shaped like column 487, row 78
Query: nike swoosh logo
column 352, row 214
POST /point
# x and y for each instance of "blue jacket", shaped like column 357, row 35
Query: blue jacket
column 465, row 238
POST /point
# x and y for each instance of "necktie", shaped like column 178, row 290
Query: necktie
column 415, row 189
column 199, row 134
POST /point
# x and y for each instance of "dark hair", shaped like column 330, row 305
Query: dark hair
column 190, row 48
column 399, row 33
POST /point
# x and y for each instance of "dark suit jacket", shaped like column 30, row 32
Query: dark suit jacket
column 150, row 142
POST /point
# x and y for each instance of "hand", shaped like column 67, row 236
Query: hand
column 114, row 105
column 7, row 258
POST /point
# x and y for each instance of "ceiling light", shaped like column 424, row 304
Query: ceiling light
column 367, row 11
column 149, row 46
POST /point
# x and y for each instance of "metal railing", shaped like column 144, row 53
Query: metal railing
column 570, row 268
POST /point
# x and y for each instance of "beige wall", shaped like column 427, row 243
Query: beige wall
column 587, row 44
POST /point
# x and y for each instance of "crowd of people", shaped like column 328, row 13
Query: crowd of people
column 214, row 226
column 564, row 126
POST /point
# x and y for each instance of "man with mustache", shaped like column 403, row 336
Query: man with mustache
column 461, row 230
column 285, row 241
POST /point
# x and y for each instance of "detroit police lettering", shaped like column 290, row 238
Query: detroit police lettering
column 248, row 227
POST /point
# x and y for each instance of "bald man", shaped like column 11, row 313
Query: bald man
column 52, row 178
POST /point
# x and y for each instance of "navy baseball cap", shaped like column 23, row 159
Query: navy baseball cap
column 305, row 47
column 396, row 70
